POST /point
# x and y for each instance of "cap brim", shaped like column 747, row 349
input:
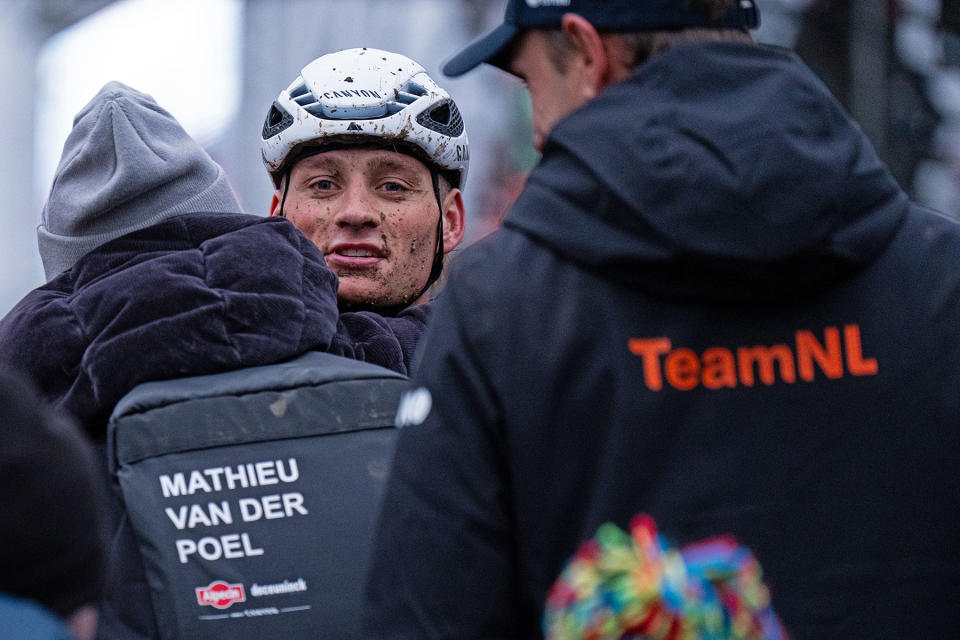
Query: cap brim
column 490, row 48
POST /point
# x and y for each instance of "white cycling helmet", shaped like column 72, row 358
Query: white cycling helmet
column 358, row 94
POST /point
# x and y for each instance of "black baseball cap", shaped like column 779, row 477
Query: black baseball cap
column 611, row 15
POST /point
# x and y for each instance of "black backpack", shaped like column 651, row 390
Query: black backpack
column 249, row 499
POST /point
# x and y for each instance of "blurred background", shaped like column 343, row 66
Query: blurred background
column 217, row 66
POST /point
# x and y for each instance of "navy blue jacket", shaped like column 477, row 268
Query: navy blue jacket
column 193, row 295
column 712, row 304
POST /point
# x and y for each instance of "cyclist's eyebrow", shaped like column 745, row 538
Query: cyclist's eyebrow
column 389, row 164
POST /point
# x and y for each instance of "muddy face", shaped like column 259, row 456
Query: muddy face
column 374, row 215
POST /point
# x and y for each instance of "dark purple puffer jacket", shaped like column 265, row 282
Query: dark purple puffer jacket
column 193, row 295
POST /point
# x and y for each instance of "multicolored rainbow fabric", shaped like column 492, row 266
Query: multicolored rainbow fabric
column 636, row 587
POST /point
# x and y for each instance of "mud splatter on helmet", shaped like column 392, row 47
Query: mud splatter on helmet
column 366, row 95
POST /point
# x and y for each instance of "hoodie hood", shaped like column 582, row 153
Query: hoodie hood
column 719, row 170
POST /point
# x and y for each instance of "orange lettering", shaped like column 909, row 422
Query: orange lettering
column 855, row 362
column 764, row 357
column 718, row 368
column 829, row 360
column 683, row 369
column 650, row 349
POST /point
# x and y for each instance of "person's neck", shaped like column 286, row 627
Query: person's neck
column 383, row 310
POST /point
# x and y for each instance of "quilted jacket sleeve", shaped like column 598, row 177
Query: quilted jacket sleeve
column 194, row 295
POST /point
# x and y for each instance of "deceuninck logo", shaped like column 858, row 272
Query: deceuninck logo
column 533, row 4
column 220, row 595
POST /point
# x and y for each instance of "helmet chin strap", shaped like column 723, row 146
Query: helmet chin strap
column 437, row 268
column 286, row 188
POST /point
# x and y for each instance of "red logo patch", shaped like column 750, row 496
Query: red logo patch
column 220, row 595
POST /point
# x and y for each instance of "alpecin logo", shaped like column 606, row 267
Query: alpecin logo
column 220, row 594
column 838, row 355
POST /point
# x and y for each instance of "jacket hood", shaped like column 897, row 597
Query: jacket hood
column 720, row 170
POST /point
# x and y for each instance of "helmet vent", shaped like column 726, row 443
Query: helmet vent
column 405, row 95
column 299, row 91
column 441, row 114
column 277, row 120
column 444, row 118
column 414, row 89
column 408, row 94
column 305, row 98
